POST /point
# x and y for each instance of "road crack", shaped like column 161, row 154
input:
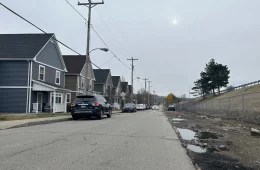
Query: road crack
column 36, row 147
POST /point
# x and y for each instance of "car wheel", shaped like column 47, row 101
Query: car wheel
column 109, row 114
column 100, row 116
column 75, row 117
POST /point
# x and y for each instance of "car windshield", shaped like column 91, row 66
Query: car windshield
column 128, row 105
column 84, row 99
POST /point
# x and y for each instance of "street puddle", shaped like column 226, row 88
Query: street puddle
column 207, row 135
column 187, row 134
column 196, row 149
column 178, row 120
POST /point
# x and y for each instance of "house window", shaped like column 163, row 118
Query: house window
column 41, row 75
column 57, row 78
column 82, row 81
column 90, row 85
column 68, row 98
column 59, row 98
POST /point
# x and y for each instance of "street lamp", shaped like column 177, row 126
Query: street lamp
column 86, row 70
column 102, row 49
column 137, row 78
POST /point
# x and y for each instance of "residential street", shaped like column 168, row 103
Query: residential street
column 141, row 140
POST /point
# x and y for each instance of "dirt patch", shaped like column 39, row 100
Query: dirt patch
column 217, row 144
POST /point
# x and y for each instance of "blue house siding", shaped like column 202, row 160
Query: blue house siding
column 50, row 74
column 13, row 73
column 13, row 100
column 50, row 55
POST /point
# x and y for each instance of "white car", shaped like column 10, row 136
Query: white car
column 140, row 107
column 155, row 107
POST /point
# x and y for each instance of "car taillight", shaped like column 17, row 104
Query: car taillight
column 72, row 104
column 96, row 104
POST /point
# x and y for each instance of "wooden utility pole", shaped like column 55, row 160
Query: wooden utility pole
column 145, row 79
column 90, row 5
column 132, row 77
column 149, row 92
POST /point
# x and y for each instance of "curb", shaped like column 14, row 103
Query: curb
column 44, row 122
column 37, row 123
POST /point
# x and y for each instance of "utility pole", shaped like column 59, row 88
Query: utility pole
column 149, row 92
column 189, row 92
column 145, row 86
column 89, row 5
column 132, row 77
column 153, row 97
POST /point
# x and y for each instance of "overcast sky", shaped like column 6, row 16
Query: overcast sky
column 173, row 39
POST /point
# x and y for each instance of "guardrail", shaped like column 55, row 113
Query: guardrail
column 241, row 86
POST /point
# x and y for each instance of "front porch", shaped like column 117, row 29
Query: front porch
column 47, row 98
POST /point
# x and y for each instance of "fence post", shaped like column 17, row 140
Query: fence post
column 206, row 106
column 218, row 105
column 229, row 107
column 243, row 105
column 212, row 106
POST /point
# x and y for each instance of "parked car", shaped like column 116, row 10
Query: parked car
column 155, row 107
column 89, row 105
column 139, row 107
column 129, row 107
column 146, row 106
column 171, row 107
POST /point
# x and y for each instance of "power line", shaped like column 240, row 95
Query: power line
column 105, row 24
column 44, row 32
column 108, row 47
column 97, row 34
column 120, row 33
column 107, row 61
column 76, row 10
column 110, row 32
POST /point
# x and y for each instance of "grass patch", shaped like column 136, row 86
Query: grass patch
column 9, row 117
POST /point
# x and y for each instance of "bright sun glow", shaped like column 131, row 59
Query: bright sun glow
column 175, row 21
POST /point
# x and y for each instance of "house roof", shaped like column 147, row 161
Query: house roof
column 115, row 80
column 101, row 75
column 74, row 63
column 22, row 45
column 124, row 86
column 130, row 88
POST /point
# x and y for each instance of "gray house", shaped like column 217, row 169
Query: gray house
column 104, row 83
column 75, row 79
column 32, row 74
column 116, row 91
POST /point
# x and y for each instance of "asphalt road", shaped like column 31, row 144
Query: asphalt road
column 142, row 140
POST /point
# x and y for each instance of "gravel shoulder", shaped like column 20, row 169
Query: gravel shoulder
column 214, row 143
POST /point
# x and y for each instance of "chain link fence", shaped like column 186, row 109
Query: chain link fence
column 244, row 106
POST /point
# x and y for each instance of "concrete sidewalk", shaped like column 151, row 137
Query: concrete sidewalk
column 31, row 122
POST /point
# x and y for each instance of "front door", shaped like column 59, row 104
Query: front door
column 39, row 101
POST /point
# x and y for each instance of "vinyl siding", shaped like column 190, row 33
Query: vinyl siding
column 71, row 82
column 50, row 74
column 99, row 88
column 13, row 73
column 13, row 100
column 50, row 55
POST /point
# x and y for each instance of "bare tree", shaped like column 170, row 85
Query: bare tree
column 123, row 79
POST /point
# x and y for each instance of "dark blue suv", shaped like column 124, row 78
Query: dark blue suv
column 88, row 106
